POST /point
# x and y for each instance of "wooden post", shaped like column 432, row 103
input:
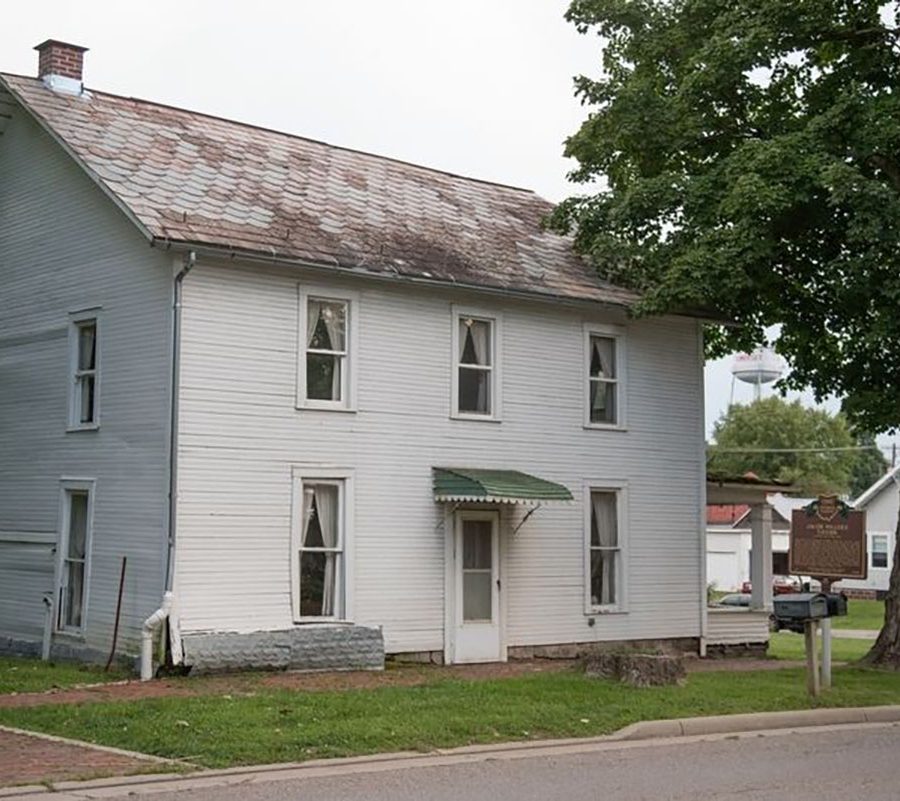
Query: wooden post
column 812, row 657
column 826, row 641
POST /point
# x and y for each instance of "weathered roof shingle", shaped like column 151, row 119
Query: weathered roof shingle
column 188, row 177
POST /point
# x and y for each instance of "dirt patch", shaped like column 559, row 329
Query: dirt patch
column 31, row 760
column 394, row 676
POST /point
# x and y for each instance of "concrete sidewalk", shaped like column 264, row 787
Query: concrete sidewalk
column 636, row 735
column 854, row 634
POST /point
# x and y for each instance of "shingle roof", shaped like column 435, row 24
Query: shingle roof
column 192, row 178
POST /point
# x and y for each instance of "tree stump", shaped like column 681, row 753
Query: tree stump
column 636, row 670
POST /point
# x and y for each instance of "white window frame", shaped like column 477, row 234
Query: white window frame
column 887, row 552
column 76, row 322
column 305, row 293
column 459, row 313
column 620, row 489
column 68, row 486
column 616, row 333
column 343, row 478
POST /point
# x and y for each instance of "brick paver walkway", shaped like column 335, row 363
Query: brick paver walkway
column 30, row 760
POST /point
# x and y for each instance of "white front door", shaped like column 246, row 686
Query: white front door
column 477, row 574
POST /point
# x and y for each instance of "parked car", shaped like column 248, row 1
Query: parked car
column 780, row 585
column 734, row 599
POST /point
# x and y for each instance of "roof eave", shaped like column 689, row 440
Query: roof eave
column 261, row 257
column 48, row 129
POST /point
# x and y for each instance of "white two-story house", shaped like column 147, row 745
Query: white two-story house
column 337, row 404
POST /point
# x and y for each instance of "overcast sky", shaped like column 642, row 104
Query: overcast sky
column 477, row 87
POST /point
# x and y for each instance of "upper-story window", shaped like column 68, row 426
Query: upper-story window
column 325, row 372
column 604, row 397
column 475, row 369
column 84, row 371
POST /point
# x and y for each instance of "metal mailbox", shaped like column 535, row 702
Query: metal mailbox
column 801, row 606
column 837, row 604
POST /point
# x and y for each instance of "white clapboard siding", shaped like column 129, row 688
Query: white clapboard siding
column 736, row 627
column 65, row 247
column 240, row 434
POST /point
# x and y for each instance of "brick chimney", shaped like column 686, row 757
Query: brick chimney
column 60, row 66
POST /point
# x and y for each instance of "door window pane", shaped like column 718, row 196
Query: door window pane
column 477, row 595
column 477, row 536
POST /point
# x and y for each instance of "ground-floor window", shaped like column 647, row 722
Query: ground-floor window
column 74, row 553
column 879, row 550
column 604, row 552
column 320, row 571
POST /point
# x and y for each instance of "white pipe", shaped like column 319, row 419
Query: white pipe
column 151, row 624
column 48, row 627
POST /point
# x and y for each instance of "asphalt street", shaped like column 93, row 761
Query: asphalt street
column 827, row 764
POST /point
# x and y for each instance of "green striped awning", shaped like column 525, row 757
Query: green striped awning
column 472, row 484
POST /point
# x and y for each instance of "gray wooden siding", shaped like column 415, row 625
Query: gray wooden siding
column 65, row 247
column 241, row 433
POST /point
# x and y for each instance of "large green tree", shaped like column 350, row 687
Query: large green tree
column 773, row 438
column 749, row 153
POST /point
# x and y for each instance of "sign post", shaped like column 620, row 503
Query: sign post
column 828, row 541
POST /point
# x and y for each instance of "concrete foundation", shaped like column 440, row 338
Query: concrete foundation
column 312, row 647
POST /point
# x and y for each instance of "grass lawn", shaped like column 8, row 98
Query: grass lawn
column 861, row 615
column 278, row 725
column 788, row 645
column 34, row 676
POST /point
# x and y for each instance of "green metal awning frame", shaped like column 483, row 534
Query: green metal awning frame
column 480, row 485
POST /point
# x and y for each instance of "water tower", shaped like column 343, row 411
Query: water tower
column 762, row 366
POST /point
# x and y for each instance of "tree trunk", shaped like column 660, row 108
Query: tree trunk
column 886, row 651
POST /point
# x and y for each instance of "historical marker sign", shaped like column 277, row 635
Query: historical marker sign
column 828, row 540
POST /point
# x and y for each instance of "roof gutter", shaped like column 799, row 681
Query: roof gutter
column 190, row 259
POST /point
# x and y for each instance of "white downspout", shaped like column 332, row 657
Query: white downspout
column 151, row 625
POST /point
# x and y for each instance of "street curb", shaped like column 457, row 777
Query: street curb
column 632, row 734
column 757, row 721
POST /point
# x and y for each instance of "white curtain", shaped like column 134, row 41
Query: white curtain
column 326, row 506
column 313, row 309
column 479, row 332
column 603, row 363
column 605, row 522
column 334, row 324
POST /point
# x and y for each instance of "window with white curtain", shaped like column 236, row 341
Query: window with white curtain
column 84, row 371
column 603, row 380
column 879, row 550
column 320, row 569
column 327, row 351
column 604, row 550
column 475, row 384
column 74, row 554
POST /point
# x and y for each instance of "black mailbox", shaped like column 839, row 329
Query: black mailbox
column 837, row 604
column 801, row 606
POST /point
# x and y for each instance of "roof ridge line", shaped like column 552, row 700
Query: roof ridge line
column 232, row 121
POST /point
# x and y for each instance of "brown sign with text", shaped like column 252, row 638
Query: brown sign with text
column 828, row 540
